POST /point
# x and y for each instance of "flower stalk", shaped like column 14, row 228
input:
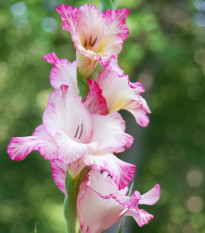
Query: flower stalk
column 70, row 201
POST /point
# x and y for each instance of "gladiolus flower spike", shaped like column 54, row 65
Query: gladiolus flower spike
column 82, row 132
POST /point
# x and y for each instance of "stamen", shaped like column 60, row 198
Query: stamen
column 81, row 131
column 76, row 133
column 90, row 41
column 93, row 43
column 86, row 41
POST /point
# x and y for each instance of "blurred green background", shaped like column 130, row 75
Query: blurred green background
column 166, row 53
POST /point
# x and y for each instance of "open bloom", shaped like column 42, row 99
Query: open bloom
column 71, row 134
column 100, row 204
column 97, row 36
column 120, row 93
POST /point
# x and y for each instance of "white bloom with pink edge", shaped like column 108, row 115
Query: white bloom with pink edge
column 97, row 36
column 71, row 134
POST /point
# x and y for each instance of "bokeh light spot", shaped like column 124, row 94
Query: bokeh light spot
column 195, row 178
column 195, row 204
column 49, row 24
column 18, row 8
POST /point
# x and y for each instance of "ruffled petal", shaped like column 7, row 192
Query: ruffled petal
column 137, row 110
column 115, row 21
column 151, row 197
column 142, row 217
column 69, row 16
column 59, row 174
column 115, row 66
column 95, row 102
column 121, row 172
column 65, row 112
column 62, row 73
column 20, row 147
column 109, row 133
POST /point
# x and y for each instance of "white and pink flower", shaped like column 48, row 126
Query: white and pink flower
column 71, row 134
column 97, row 36
column 100, row 204
column 120, row 93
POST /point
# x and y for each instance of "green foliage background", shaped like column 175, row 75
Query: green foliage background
column 166, row 52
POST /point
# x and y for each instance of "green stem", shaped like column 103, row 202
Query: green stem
column 70, row 201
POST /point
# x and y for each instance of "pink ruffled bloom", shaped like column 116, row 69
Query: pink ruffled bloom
column 99, row 192
column 101, row 204
column 97, row 36
column 71, row 134
column 120, row 93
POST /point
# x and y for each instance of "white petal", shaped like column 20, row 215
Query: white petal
column 116, row 23
column 151, row 197
column 69, row 150
column 109, row 133
column 65, row 112
column 62, row 73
